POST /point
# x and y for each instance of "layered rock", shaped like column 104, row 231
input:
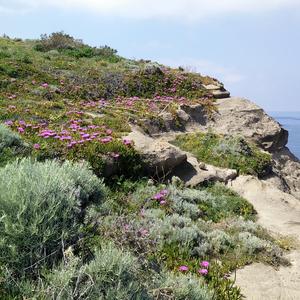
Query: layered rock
column 159, row 156
column 233, row 116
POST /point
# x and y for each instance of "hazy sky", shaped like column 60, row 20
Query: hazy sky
column 253, row 46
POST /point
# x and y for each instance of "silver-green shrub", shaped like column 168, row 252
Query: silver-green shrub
column 113, row 274
column 8, row 138
column 182, row 287
column 42, row 206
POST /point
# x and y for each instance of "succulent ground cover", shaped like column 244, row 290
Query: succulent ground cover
column 68, row 233
column 79, row 106
column 227, row 152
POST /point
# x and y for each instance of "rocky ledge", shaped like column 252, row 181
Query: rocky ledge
column 232, row 116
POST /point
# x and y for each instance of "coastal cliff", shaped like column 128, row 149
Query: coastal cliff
column 124, row 179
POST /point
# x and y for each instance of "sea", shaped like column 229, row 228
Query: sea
column 291, row 122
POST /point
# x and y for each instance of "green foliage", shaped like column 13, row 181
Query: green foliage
column 182, row 287
column 57, row 40
column 11, row 145
column 70, row 46
column 226, row 152
column 42, row 208
column 112, row 274
column 8, row 138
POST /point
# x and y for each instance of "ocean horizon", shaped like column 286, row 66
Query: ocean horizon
column 291, row 122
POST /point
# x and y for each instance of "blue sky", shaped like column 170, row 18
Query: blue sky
column 252, row 46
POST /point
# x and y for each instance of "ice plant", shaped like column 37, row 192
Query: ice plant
column 37, row 146
column 183, row 268
column 127, row 142
column 204, row 264
column 203, row 272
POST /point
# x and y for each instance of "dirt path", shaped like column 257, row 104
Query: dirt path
column 280, row 213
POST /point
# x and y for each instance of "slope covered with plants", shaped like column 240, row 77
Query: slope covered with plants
column 72, row 229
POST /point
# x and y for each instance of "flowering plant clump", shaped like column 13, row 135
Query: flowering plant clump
column 183, row 268
column 161, row 197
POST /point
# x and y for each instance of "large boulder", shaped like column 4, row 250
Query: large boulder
column 159, row 156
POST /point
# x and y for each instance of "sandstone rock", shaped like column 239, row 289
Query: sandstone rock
column 288, row 166
column 159, row 157
column 192, row 174
column 212, row 87
column 221, row 94
column 238, row 116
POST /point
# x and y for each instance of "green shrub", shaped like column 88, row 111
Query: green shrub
column 42, row 206
column 57, row 40
column 11, row 145
column 111, row 275
column 181, row 287
column 8, row 138
column 227, row 152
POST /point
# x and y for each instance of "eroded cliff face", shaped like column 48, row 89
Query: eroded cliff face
column 241, row 116
column 233, row 116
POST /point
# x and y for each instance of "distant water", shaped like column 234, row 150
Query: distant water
column 291, row 122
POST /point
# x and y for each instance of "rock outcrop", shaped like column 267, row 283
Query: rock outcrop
column 159, row 156
column 233, row 116
column 238, row 116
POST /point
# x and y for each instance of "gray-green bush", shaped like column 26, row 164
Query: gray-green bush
column 8, row 138
column 113, row 274
column 181, row 287
column 11, row 145
column 42, row 206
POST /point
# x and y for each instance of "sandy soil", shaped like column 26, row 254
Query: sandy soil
column 280, row 213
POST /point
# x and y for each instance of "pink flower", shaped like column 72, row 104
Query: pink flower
column 109, row 131
column 37, row 146
column 85, row 135
column 162, row 202
column 9, row 123
column 21, row 130
column 45, row 85
column 204, row 264
column 183, row 268
column 106, row 140
column 164, row 192
column 127, row 142
column 158, row 196
column 203, row 272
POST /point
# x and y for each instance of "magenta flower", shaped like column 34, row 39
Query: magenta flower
column 158, row 196
column 85, row 135
column 183, row 268
column 45, row 85
column 21, row 130
column 9, row 123
column 127, row 142
column 164, row 192
column 203, row 272
column 162, row 202
column 37, row 146
column 204, row 264
column 106, row 140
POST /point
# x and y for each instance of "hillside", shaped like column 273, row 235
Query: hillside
column 114, row 177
